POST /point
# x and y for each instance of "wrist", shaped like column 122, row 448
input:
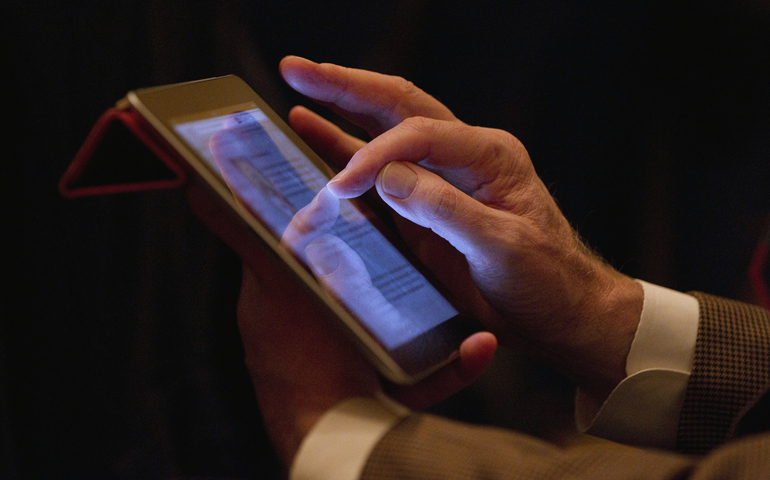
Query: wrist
column 611, row 321
column 598, row 337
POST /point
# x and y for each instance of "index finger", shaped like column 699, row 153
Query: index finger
column 374, row 101
column 467, row 157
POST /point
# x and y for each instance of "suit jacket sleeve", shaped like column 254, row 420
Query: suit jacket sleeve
column 730, row 376
column 727, row 397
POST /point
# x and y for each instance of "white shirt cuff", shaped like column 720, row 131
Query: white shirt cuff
column 340, row 443
column 644, row 408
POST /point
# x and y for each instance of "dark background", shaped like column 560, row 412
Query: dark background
column 119, row 354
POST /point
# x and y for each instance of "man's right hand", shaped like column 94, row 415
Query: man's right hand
column 514, row 260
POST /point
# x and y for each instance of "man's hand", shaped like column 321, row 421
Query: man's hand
column 514, row 260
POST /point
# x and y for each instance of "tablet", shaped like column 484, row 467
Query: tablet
column 389, row 304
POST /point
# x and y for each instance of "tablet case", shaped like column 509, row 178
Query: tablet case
column 123, row 154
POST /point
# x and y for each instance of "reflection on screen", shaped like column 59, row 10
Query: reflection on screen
column 274, row 181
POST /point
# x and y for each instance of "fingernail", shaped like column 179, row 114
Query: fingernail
column 323, row 258
column 333, row 185
column 398, row 180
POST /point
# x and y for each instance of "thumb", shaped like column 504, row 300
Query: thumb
column 476, row 354
column 430, row 201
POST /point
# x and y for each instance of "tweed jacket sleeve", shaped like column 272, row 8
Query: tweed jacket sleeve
column 731, row 374
column 727, row 397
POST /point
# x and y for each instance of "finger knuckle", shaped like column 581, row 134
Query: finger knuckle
column 408, row 96
column 419, row 124
column 501, row 145
column 405, row 87
column 444, row 202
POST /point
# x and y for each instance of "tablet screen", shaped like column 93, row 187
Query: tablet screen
column 273, row 180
